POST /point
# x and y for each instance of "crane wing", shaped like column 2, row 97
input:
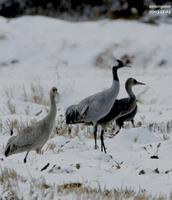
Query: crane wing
column 84, row 109
column 27, row 136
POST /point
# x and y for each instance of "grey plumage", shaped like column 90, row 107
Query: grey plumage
column 93, row 108
column 98, row 105
column 35, row 136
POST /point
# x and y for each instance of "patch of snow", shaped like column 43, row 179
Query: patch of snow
column 63, row 54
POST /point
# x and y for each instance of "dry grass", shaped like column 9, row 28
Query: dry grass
column 25, row 125
column 36, row 94
column 51, row 146
column 164, row 128
column 9, row 174
column 9, row 180
column 11, row 107
column 68, row 187
column 17, row 126
column 40, row 189
column 10, row 125
column 75, row 130
column 9, row 93
column 85, row 192
column 61, row 128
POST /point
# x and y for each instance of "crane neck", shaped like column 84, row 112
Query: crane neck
column 130, row 91
column 53, row 108
column 115, row 74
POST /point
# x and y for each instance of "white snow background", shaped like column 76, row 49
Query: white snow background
column 77, row 59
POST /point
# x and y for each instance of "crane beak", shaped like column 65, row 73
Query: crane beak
column 7, row 151
column 57, row 93
column 140, row 83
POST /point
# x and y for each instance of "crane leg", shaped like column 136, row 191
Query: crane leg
column 103, row 148
column 25, row 159
column 95, row 135
column 117, row 131
column 132, row 121
column 39, row 151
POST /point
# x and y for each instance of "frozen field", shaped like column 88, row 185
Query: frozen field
column 37, row 53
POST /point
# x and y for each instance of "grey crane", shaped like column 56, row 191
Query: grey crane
column 34, row 137
column 91, row 109
column 122, row 109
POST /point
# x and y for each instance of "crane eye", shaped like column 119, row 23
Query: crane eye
column 54, row 90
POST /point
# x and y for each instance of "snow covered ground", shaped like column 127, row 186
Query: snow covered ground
column 37, row 53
